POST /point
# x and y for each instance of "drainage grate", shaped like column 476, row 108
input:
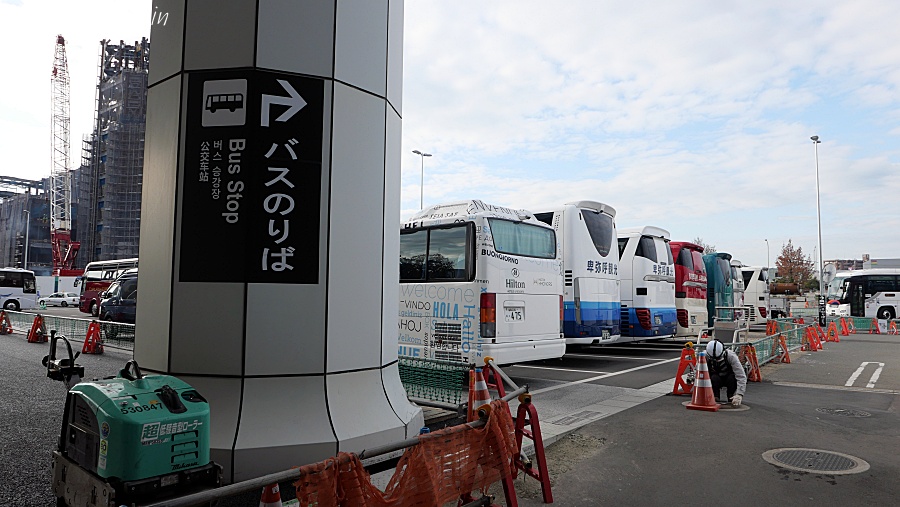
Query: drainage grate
column 815, row 460
column 844, row 412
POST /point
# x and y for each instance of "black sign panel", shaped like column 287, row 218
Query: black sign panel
column 252, row 178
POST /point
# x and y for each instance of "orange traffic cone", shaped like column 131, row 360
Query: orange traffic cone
column 271, row 496
column 703, row 397
column 481, row 396
column 92, row 342
column 5, row 325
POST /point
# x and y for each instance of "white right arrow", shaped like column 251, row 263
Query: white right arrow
column 294, row 100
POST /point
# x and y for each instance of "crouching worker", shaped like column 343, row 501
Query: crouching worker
column 725, row 369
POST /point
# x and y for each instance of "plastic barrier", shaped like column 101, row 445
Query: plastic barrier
column 811, row 340
column 748, row 355
column 5, row 325
column 784, row 356
column 892, row 328
column 832, row 334
column 527, row 426
column 687, row 368
column 873, row 327
column 38, row 332
column 92, row 342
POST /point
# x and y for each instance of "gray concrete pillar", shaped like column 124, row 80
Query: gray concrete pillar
column 270, row 224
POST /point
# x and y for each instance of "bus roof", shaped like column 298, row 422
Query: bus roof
column 111, row 262
column 647, row 230
column 687, row 244
column 595, row 206
column 471, row 208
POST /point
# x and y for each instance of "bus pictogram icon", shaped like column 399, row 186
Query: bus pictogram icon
column 224, row 103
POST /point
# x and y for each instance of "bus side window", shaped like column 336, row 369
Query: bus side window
column 446, row 248
column 413, row 248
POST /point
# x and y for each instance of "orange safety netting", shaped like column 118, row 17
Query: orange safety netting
column 444, row 465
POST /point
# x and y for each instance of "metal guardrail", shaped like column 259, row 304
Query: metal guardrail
column 111, row 333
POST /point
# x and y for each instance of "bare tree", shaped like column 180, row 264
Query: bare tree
column 706, row 248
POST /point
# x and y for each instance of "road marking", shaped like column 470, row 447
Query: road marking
column 591, row 379
column 595, row 356
column 837, row 388
column 559, row 369
column 859, row 371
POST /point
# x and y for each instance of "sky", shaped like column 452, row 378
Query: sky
column 693, row 116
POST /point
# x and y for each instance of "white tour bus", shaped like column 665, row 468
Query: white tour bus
column 647, row 272
column 756, row 292
column 18, row 289
column 870, row 293
column 478, row 280
column 737, row 279
column 587, row 236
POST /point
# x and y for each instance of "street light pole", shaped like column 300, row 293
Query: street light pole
column 767, row 254
column 815, row 140
column 27, row 226
column 422, row 185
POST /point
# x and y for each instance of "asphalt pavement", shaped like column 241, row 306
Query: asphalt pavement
column 619, row 440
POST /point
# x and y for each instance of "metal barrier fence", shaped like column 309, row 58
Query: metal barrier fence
column 435, row 380
column 112, row 333
column 766, row 349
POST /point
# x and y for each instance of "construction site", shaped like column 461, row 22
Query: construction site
column 91, row 212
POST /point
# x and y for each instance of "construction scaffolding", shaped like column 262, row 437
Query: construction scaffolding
column 109, row 182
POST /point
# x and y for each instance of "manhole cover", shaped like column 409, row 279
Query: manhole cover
column 815, row 460
column 844, row 412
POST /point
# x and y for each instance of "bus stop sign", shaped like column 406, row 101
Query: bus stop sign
column 251, row 179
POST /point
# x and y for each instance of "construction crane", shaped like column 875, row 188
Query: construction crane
column 64, row 250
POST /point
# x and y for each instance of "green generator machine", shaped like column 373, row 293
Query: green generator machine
column 128, row 439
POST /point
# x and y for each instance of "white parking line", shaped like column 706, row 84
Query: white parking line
column 859, row 371
column 591, row 379
column 559, row 369
column 595, row 356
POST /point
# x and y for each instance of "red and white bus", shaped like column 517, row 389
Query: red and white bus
column 97, row 277
column 690, row 288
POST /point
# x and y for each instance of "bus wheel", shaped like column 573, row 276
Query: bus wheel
column 885, row 313
column 11, row 305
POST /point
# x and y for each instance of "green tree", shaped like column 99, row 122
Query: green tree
column 794, row 267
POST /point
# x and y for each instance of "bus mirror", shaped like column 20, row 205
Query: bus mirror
column 75, row 283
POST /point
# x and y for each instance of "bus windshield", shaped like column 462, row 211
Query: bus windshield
column 526, row 240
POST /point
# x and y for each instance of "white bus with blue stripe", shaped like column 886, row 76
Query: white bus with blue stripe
column 647, row 272
column 591, row 306
column 479, row 280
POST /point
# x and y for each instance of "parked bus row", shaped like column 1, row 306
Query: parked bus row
column 478, row 280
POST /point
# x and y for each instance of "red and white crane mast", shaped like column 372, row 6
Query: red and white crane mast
column 63, row 248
